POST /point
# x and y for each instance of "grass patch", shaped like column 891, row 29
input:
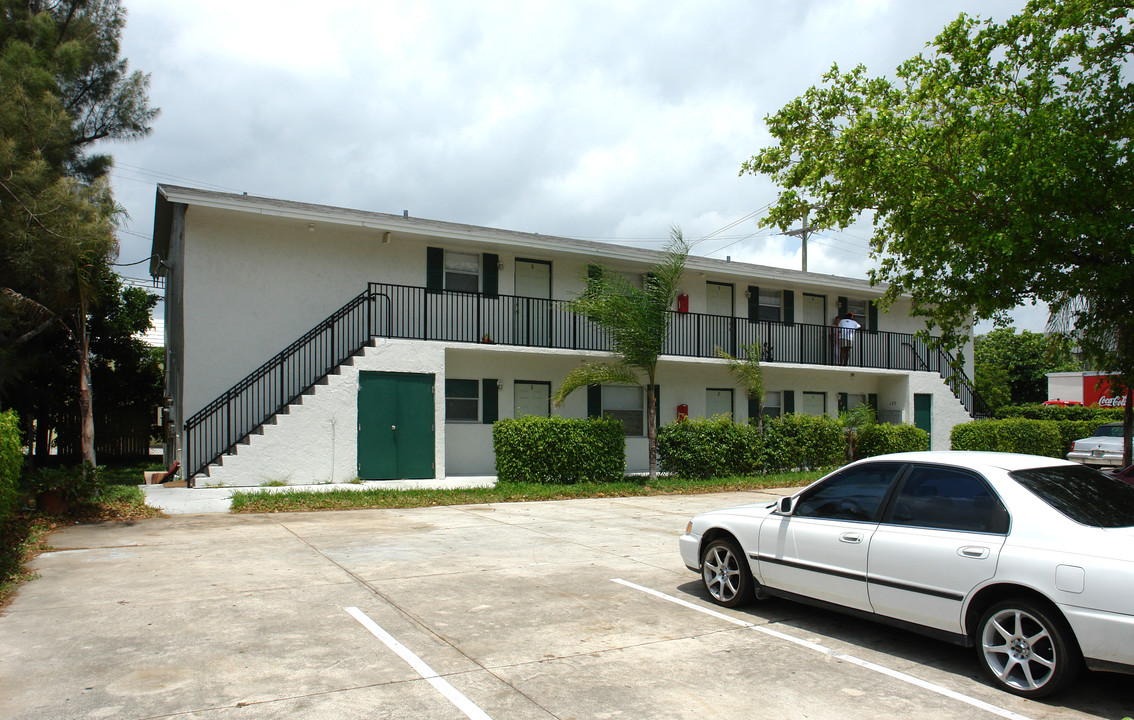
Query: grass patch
column 309, row 500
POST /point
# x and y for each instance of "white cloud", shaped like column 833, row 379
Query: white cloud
column 578, row 118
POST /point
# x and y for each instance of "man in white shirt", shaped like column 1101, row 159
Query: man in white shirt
column 847, row 326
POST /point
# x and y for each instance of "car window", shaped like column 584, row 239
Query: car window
column 1108, row 431
column 854, row 494
column 949, row 499
column 1081, row 493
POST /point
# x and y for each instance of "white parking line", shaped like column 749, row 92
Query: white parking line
column 468, row 707
column 833, row 653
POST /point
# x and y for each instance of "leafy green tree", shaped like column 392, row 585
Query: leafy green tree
column 637, row 321
column 64, row 89
column 1023, row 361
column 997, row 167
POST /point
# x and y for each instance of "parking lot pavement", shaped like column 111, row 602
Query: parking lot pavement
column 573, row 609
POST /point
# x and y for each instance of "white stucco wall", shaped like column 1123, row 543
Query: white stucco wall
column 317, row 440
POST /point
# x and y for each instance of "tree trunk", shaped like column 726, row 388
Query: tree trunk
column 652, row 429
column 86, row 414
column 1127, row 427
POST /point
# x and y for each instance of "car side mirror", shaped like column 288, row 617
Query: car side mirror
column 786, row 505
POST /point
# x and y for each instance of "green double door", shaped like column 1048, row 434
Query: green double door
column 395, row 426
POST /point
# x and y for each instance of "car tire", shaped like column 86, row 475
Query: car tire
column 725, row 573
column 1027, row 648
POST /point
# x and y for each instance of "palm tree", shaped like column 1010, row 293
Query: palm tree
column 637, row 321
column 750, row 376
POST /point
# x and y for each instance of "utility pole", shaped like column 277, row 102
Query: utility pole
column 803, row 233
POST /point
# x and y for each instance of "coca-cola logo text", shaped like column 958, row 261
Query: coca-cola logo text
column 1112, row 402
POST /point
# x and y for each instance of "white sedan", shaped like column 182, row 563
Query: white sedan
column 1028, row 559
column 1102, row 449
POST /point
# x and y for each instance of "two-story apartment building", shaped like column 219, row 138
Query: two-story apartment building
column 307, row 343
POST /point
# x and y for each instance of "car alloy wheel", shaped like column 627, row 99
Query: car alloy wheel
column 1026, row 648
column 725, row 573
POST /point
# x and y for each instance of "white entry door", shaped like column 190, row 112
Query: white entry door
column 814, row 403
column 718, row 318
column 532, row 398
column 533, row 309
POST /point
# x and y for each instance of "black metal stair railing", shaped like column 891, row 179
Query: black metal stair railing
column 417, row 313
column 226, row 421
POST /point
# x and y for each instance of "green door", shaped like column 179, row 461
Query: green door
column 395, row 426
column 923, row 414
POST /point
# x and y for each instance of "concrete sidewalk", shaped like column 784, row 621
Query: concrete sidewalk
column 193, row 501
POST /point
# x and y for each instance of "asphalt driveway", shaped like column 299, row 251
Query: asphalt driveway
column 574, row 609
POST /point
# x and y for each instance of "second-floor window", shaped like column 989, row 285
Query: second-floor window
column 462, row 271
column 862, row 312
column 771, row 305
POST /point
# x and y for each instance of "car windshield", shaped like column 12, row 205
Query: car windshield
column 1083, row 494
column 1108, row 431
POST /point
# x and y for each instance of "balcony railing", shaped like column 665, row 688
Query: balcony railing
column 415, row 313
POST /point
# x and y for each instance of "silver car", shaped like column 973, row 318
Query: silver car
column 1102, row 449
column 1028, row 559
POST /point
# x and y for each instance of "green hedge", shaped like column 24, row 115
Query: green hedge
column 707, row 448
column 1060, row 413
column 718, row 447
column 884, row 439
column 1019, row 435
column 803, row 441
column 11, row 462
column 559, row 450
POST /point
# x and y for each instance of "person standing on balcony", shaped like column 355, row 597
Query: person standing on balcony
column 847, row 327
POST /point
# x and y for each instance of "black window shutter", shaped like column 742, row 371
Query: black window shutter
column 491, row 274
column 434, row 269
column 844, row 402
column 594, row 401
column 789, row 307
column 872, row 398
column 657, row 406
column 872, row 314
column 753, row 409
column 490, row 401
column 753, row 303
column 842, row 306
column 789, row 401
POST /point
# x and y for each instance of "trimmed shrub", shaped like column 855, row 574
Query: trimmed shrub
column 72, row 484
column 708, row 448
column 885, row 439
column 11, row 462
column 1018, row 435
column 804, row 442
column 559, row 450
column 1060, row 413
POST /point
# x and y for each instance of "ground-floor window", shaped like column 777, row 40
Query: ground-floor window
column 773, row 404
column 462, row 400
column 627, row 404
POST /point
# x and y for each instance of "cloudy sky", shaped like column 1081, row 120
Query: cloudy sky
column 602, row 120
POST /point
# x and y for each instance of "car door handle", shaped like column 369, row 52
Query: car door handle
column 850, row 538
column 977, row 553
